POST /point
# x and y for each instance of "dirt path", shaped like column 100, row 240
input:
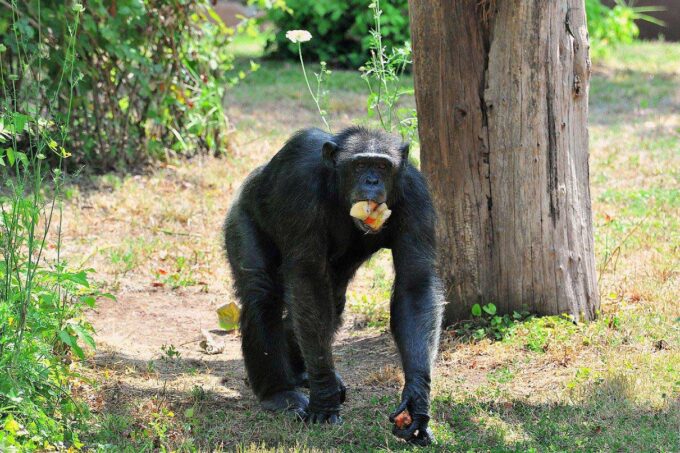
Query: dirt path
column 141, row 378
column 165, row 328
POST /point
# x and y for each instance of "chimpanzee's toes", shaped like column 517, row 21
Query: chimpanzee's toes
column 302, row 380
column 287, row 401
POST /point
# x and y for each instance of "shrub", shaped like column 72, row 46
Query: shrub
column 150, row 76
column 340, row 29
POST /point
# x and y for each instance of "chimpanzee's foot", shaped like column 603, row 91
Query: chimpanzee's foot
column 287, row 401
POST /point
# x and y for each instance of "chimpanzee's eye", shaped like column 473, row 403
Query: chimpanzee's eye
column 382, row 166
column 361, row 166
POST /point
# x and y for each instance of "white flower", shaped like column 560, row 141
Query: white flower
column 298, row 35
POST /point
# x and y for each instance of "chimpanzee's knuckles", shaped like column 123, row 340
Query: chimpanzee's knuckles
column 332, row 418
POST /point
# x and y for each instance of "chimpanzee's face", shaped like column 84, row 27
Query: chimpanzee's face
column 366, row 177
column 369, row 177
column 367, row 169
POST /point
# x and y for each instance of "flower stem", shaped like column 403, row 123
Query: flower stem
column 309, row 87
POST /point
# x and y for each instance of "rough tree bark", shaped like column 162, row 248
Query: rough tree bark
column 502, row 99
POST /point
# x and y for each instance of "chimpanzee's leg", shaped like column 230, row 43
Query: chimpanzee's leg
column 309, row 299
column 297, row 363
column 264, row 342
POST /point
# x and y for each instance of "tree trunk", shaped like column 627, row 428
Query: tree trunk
column 502, row 98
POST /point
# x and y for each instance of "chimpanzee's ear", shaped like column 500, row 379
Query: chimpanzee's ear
column 404, row 153
column 328, row 152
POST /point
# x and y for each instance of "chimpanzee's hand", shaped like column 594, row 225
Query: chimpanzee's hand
column 325, row 398
column 417, row 401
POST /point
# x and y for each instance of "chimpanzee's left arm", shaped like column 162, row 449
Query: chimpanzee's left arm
column 416, row 309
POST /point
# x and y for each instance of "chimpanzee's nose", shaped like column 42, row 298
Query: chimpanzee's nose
column 372, row 180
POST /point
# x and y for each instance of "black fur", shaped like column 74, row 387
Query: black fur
column 293, row 248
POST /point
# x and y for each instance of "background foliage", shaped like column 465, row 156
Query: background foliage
column 615, row 25
column 151, row 75
column 340, row 30
column 342, row 37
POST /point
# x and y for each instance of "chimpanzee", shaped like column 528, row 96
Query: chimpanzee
column 293, row 248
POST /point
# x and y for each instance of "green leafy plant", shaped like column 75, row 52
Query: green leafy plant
column 170, row 352
column 42, row 330
column 486, row 323
column 382, row 74
column 616, row 25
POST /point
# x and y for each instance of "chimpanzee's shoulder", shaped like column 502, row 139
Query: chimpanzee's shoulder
column 415, row 208
column 300, row 157
column 304, row 145
column 414, row 184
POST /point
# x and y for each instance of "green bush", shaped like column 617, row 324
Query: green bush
column 609, row 25
column 340, row 29
column 151, row 75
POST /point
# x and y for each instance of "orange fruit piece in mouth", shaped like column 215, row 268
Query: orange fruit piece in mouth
column 371, row 213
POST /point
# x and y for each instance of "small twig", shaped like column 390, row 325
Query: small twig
column 617, row 250
column 172, row 233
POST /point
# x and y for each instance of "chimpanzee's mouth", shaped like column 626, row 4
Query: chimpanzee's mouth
column 369, row 215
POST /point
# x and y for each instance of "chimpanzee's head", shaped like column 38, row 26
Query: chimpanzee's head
column 368, row 165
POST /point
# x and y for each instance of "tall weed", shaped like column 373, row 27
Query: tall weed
column 42, row 331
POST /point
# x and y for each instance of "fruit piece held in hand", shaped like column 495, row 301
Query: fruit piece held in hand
column 403, row 420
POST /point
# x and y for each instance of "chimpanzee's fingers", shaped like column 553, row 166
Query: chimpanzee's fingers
column 401, row 408
column 407, row 433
